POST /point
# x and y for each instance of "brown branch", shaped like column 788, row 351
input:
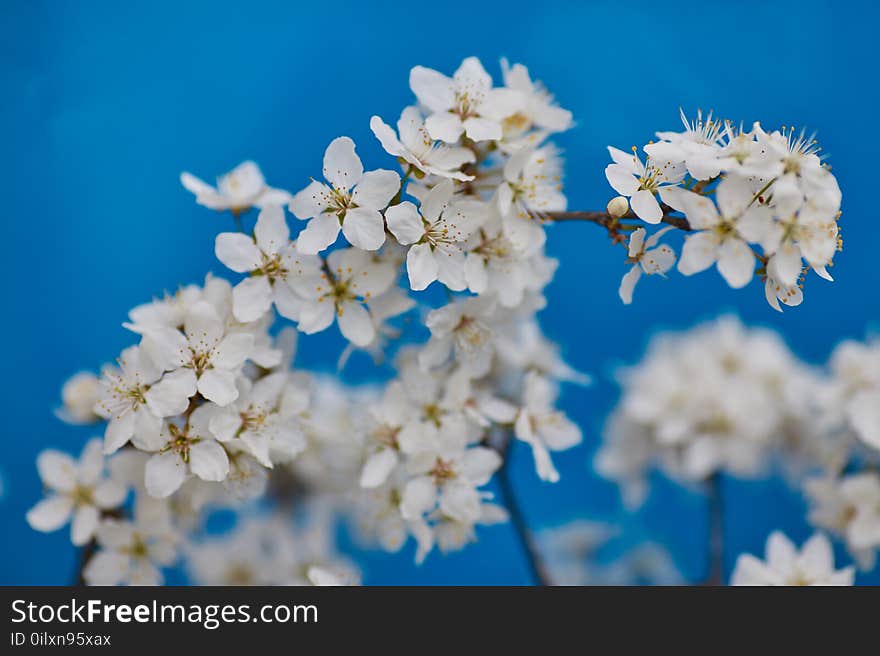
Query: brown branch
column 518, row 520
column 611, row 224
column 715, row 503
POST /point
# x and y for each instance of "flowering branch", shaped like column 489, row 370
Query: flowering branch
column 613, row 224
column 209, row 401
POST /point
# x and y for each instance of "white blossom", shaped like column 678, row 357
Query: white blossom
column 76, row 490
column 466, row 103
column 813, row 564
column 544, row 428
column 416, row 147
column 239, row 190
column 271, row 260
column 353, row 202
column 343, row 292
column 204, row 357
column 435, row 233
column 646, row 256
column 79, row 394
column 641, row 182
column 133, row 552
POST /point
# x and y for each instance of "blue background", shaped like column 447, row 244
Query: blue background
column 104, row 103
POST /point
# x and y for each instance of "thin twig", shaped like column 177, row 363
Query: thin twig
column 518, row 520
column 715, row 502
column 610, row 223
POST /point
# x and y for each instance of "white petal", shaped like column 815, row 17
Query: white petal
column 387, row 137
column 785, row 265
column 233, row 350
column 311, row 201
column 628, row 284
column 251, row 298
column 444, row 126
column 646, row 207
column 208, row 461
column 864, row 414
column 107, row 568
column 433, row 89
column 271, row 231
column 237, row 251
column 85, row 521
column 203, row 325
column 316, row 316
column 50, row 514
column 482, row 129
column 461, row 502
column 698, row 253
column 421, row 266
column 218, row 385
column 109, row 494
column 405, row 223
column 364, row 228
column 342, row 166
column 320, row 233
column 355, row 323
column 658, row 260
column 377, row 468
column 736, row 262
column 450, row 269
column 164, row 474
column 171, row 395
column 57, row 470
column 419, row 497
column 621, row 179
column 376, row 189
column 119, row 431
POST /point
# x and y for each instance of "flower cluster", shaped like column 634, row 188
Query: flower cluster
column 720, row 397
column 755, row 203
column 204, row 410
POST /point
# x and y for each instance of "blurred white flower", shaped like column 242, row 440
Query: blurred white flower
column 239, row 190
column 785, row 565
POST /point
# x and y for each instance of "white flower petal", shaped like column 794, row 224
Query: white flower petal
column 85, row 521
column 271, row 231
column 355, row 323
column 342, row 166
column 364, row 228
column 311, row 201
column 251, row 298
column 376, row 189
column 57, row 470
column 628, row 284
column 218, row 385
column 320, row 233
column 50, row 514
column 646, row 207
column 171, row 395
column 378, row 467
column 405, row 223
column 237, row 251
column 208, row 461
column 698, row 253
column 421, row 266
column 164, row 474
column 736, row 262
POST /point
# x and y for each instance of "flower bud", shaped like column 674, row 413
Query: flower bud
column 618, row 207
